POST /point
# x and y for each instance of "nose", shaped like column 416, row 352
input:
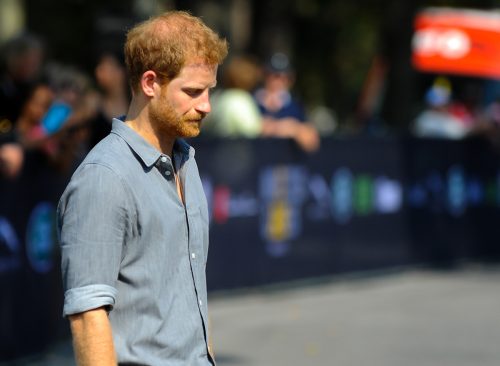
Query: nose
column 203, row 105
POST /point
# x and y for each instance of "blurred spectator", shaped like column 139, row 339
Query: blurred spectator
column 439, row 119
column 488, row 123
column 21, row 61
column 54, row 116
column 234, row 111
column 110, row 77
column 283, row 115
column 29, row 126
column 74, row 94
column 491, row 115
column 78, row 102
column 21, row 58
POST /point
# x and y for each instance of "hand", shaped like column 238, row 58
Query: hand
column 304, row 134
column 11, row 159
column 307, row 138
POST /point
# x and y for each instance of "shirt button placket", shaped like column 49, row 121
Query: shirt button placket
column 164, row 166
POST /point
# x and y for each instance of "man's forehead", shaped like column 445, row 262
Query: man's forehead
column 203, row 66
column 198, row 71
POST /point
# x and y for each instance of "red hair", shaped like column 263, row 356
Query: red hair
column 164, row 43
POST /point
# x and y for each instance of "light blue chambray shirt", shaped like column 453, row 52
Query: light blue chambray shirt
column 130, row 244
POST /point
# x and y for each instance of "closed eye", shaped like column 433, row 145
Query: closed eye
column 193, row 92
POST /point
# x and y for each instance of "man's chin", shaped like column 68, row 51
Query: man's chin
column 191, row 131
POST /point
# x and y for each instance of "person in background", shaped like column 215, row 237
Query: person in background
column 283, row 115
column 437, row 120
column 234, row 112
column 133, row 221
column 21, row 60
column 110, row 77
column 30, row 131
column 54, row 116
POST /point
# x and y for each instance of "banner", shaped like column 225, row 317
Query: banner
column 457, row 41
column 277, row 214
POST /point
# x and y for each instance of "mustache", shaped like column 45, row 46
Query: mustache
column 195, row 116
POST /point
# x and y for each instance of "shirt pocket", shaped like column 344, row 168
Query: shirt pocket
column 198, row 235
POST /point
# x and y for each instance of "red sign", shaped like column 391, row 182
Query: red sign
column 455, row 41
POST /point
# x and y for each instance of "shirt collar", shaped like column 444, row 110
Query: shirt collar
column 143, row 149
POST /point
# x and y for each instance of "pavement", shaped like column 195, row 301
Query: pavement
column 406, row 317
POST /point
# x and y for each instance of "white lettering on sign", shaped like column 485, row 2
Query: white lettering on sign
column 447, row 43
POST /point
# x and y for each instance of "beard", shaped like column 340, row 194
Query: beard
column 165, row 119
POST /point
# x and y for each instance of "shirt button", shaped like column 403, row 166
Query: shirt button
column 193, row 255
column 200, row 302
column 163, row 159
column 167, row 173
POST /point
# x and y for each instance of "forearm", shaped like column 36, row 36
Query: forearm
column 307, row 137
column 92, row 338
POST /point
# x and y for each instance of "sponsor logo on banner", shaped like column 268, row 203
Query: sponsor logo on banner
column 278, row 229
column 457, row 193
column 286, row 192
column 221, row 196
column 41, row 237
column 9, row 247
column 475, row 191
column 223, row 204
column 388, row 195
column 363, row 195
column 320, row 196
column 342, row 195
column 283, row 191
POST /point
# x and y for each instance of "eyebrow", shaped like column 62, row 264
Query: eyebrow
column 200, row 86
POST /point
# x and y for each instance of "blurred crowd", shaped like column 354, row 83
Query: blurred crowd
column 59, row 112
column 257, row 101
column 452, row 116
column 51, row 109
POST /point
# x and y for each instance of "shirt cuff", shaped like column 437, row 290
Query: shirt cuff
column 78, row 300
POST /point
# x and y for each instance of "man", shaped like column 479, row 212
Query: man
column 283, row 116
column 133, row 220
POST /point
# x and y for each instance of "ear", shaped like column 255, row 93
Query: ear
column 147, row 83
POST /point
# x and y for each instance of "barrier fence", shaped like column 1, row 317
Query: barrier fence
column 277, row 214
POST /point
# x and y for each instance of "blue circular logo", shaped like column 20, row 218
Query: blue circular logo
column 40, row 237
column 9, row 247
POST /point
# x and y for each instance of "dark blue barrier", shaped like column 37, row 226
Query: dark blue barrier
column 357, row 204
column 30, row 288
column 277, row 214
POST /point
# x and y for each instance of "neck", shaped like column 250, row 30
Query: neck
column 138, row 120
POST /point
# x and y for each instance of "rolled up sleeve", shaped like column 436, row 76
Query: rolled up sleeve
column 81, row 299
column 92, row 219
